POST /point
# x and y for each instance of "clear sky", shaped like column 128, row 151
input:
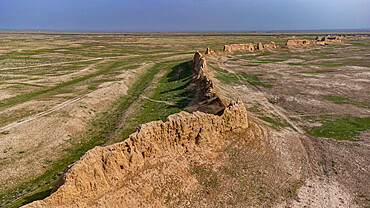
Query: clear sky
column 183, row 15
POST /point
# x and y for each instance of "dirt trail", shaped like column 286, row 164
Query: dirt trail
column 132, row 108
column 70, row 76
column 261, row 99
column 277, row 110
column 158, row 101
column 51, row 64
column 73, row 100
column 71, row 62
column 53, row 109
column 38, row 115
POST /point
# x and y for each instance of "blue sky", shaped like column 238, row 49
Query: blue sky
column 183, row 15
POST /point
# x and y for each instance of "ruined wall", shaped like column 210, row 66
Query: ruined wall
column 300, row 43
column 239, row 47
column 270, row 46
column 207, row 99
column 334, row 39
column 103, row 170
column 259, row 46
column 318, row 41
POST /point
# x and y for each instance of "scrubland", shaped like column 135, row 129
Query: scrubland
column 62, row 94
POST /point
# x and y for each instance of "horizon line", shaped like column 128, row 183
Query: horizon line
column 188, row 31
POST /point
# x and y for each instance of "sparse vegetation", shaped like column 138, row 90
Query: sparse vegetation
column 341, row 100
column 225, row 76
column 171, row 88
column 24, row 97
column 296, row 64
column 268, row 60
column 331, row 64
column 206, row 176
column 171, row 95
column 34, row 79
column 4, row 132
column 323, row 53
column 340, row 127
column 275, row 122
column 317, row 71
column 254, row 80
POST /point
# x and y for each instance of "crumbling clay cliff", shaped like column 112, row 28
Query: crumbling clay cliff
column 102, row 171
column 207, row 99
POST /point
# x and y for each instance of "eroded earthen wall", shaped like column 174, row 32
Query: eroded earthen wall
column 103, row 170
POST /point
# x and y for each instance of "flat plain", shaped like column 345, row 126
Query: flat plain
column 62, row 94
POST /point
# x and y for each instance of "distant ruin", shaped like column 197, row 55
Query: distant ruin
column 300, row 43
column 239, row 47
column 317, row 41
column 259, row 46
column 269, row 46
column 272, row 46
